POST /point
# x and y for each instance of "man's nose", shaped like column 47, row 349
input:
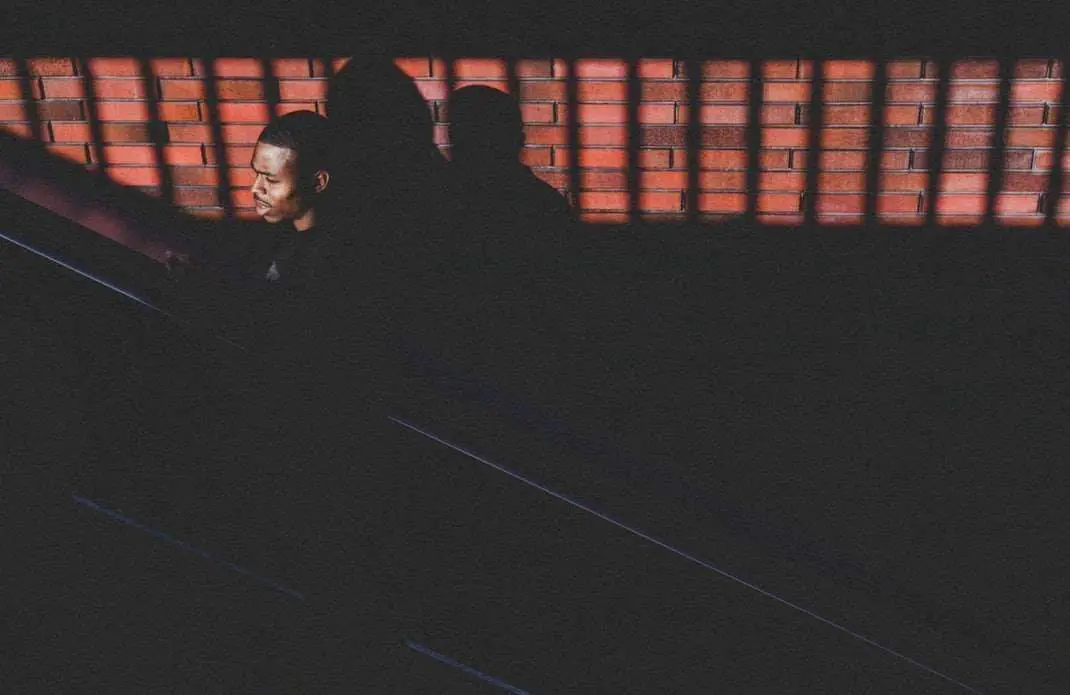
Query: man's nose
column 257, row 185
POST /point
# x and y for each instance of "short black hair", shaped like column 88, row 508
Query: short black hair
column 307, row 133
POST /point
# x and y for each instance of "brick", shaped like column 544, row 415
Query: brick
column 534, row 68
column 612, row 157
column 781, row 181
column 780, row 219
column 717, row 159
column 231, row 90
column 543, row 91
column 604, row 135
column 303, row 90
column 236, row 155
column 974, row 69
column 121, row 88
column 431, row 90
column 957, row 182
column 717, row 180
column 910, row 91
column 655, row 68
column 847, row 91
column 784, row 137
column 955, row 159
column 840, row 203
column 418, row 66
column 723, row 114
column 844, row 69
column 501, row 85
column 59, row 110
column 146, row 155
column 1047, row 91
column 973, row 114
column 1044, row 159
column 135, row 176
column 844, row 138
column 906, row 137
column 771, row 114
column 546, row 135
column 903, row 181
column 600, row 68
column 613, row 180
column 186, row 89
column 139, row 111
column 837, row 114
column 1023, row 182
column 903, row 69
column 722, row 91
column 674, row 180
column 230, row 67
column 23, row 130
column 968, row 138
column 722, row 202
column 189, row 132
column 536, row 156
column 605, row 218
column 895, row 159
column 604, row 91
column 291, row 67
column 196, row 196
column 779, row 202
column 537, row 113
column 1030, row 137
column 663, row 91
column 1031, row 68
column 13, row 111
column 75, row 153
column 897, row 202
column 833, row 159
column 113, row 67
column 779, row 69
column 972, row 92
column 42, row 67
column 720, row 69
column 196, row 176
column 474, row 68
column 837, row 182
column 236, row 112
column 12, row 89
column 1016, row 220
column 618, row 113
column 901, row 114
column 63, row 87
column 557, row 179
column 786, row 91
column 590, row 200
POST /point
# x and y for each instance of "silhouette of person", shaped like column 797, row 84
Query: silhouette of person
column 493, row 186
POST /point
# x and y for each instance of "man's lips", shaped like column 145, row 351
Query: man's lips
column 261, row 205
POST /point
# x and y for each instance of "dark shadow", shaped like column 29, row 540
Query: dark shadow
column 157, row 129
column 211, row 103
column 875, row 145
column 693, row 72
column 754, row 138
column 938, row 134
column 572, row 95
column 996, row 156
column 96, row 131
column 1055, row 177
column 271, row 86
column 634, row 95
column 492, row 186
column 815, row 114
column 29, row 100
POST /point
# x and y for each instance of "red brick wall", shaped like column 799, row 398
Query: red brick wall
column 124, row 96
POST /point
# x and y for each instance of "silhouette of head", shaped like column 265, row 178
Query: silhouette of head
column 292, row 172
column 485, row 125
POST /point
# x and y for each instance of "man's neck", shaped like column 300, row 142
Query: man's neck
column 306, row 221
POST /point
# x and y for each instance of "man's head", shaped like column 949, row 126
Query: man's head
column 291, row 166
column 485, row 125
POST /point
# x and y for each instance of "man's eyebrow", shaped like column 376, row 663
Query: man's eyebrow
column 258, row 171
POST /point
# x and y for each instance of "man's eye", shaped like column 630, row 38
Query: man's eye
column 272, row 180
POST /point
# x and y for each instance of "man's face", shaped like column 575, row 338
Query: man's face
column 276, row 190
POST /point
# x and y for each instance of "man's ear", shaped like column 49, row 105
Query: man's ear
column 320, row 180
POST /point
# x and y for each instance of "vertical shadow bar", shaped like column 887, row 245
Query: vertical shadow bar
column 634, row 96
column 1055, row 177
column 878, row 94
column 328, row 73
column 754, row 138
column 935, row 163
column 813, row 155
column 572, row 88
column 997, row 155
column 510, row 74
column 157, row 129
column 29, row 103
column 211, row 102
column 271, row 86
column 693, row 71
column 96, row 131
